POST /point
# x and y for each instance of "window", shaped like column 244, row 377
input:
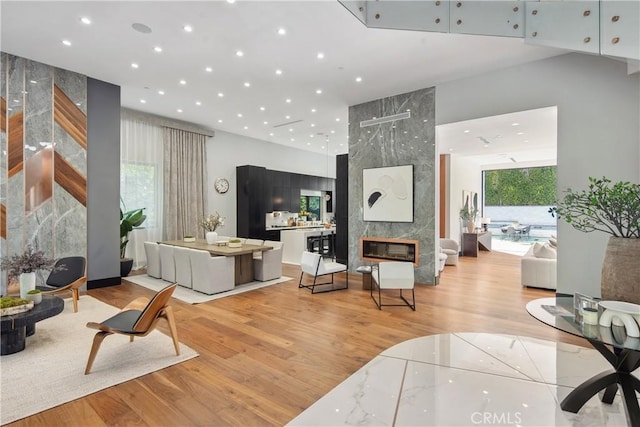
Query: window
column 311, row 204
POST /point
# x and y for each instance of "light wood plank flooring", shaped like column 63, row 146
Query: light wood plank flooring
column 267, row 355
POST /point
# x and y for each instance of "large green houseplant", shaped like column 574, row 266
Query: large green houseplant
column 612, row 208
column 128, row 220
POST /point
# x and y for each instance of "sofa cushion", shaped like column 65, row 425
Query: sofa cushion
column 553, row 242
column 449, row 251
column 544, row 251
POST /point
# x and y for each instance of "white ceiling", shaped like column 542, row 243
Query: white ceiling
column 388, row 61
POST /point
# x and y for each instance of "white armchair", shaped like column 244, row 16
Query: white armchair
column 167, row 263
column 183, row 266
column 314, row 265
column 211, row 274
column 269, row 265
column 394, row 275
column 538, row 267
column 153, row 259
column 451, row 248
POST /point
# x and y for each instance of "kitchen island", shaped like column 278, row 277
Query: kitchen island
column 297, row 239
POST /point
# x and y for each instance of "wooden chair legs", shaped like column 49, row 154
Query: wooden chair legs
column 168, row 315
column 97, row 341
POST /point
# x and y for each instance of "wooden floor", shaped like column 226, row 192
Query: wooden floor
column 267, row 355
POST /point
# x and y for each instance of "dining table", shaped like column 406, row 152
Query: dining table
column 243, row 255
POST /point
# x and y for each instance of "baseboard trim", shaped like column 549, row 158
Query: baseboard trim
column 103, row 283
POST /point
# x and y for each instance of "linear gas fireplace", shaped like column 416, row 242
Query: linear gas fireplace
column 378, row 249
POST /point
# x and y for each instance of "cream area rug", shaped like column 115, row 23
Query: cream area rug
column 50, row 370
column 194, row 297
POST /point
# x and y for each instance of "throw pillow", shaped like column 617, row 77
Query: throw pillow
column 544, row 251
column 553, row 242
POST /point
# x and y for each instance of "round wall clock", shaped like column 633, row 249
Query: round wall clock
column 221, row 185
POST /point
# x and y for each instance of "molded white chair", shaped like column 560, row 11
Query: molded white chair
column 314, row 265
column 211, row 274
column 394, row 275
column 269, row 265
column 167, row 263
column 153, row 259
column 183, row 266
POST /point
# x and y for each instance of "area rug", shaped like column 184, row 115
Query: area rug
column 50, row 370
column 194, row 297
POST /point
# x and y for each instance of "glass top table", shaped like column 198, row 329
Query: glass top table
column 620, row 350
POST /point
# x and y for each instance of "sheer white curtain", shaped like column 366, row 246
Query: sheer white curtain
column 141, row 181
column 185, row 171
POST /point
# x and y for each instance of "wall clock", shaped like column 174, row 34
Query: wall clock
column 221, row 185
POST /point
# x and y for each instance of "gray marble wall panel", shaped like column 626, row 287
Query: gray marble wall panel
column 15, row 183
column 3, row 162
column 74, row 86
column 396, row 143
column 70, row 225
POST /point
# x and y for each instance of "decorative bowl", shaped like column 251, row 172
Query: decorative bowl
column 189, row 239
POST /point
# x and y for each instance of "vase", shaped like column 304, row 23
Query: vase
column 471, row 226
column 36, row 298
column 212, row 237
column 621, row 270
column 27, row 283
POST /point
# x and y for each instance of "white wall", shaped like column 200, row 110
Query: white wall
column 226, row 150
column 464, row 174
column 598, row 134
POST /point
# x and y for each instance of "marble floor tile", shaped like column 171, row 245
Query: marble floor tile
column 467, row 379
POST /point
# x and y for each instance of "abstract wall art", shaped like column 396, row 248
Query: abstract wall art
column 388, row 194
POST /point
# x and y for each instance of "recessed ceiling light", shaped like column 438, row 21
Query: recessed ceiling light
column 198, row 103
column 85, row 20
column 308, row 143
column 239, row 114
column 157, row 49
column 319, row 91
column 231, row 1
column 313, row 110
column 66, row 42
column 450, row 149
column 293, row 139
column 358, row 79
column 515, row 124
column 247, row 84
column 290, row 129
column 183, row 82
column 188, row 28
column 333, row 131
column 219, row 120
column 271, row 134
column 322, row 147
column 337, row 119
column 288, row 100
column 265, row 122
column 239, row 53
column 320, row 55
column 261, row 108
column 208, row 69
column 520, row 133
column 282, row 31
column 33, row 82
column 143, row 101
column 311, row 135
column 279, row 72
column 287, row 117
column 467, row 131
column 179, row 110
column 246, row 127
column 486, row 145
column 313, row 125
column 220, row 94
column 134, row 65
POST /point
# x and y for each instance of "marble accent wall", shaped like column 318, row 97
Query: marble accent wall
column 396, row 143
column 43, row 167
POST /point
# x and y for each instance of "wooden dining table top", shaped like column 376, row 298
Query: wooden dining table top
column 214, row 249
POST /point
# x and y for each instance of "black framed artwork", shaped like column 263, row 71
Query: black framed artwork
column 388, row 194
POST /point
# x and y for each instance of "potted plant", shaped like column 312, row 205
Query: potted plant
column 612, row 208
column 35, row 295
column 468, row 217
column 128, row 220
column 189, row 238
column 210, row 224
column 24, row 267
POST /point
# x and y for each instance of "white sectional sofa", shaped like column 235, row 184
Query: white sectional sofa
column 538, row 267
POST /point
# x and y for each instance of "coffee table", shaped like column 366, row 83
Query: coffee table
column 15, row 328
column 621, row 351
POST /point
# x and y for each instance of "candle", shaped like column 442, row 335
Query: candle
column 590, row 316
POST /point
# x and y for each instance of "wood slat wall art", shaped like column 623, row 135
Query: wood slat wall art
column 269, row 354
column 69, row 116
column 3, row 221
column 69, row 178
column 3, row 114
column 15, row 156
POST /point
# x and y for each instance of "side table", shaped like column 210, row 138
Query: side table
column 365, row 270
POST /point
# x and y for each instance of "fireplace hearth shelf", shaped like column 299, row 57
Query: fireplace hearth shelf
column 379, row 249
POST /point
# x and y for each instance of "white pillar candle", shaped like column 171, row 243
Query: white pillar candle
column 590, row 316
